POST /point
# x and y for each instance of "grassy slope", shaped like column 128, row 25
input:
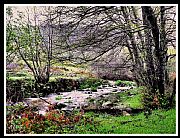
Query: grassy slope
column 135, row 100
column 79, row 70
column 160, row 122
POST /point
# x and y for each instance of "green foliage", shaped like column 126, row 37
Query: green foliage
column 24, row 40
column 91, row 100
column 152, row 100
column 54, row 122
column 94, row 89
column 132, row 98
column 15, row 108
column 147, row 101
column 171, row 65
column 159, row 122
column 21, row 74
column 92, row 83
column 69, row 101
column 58, row 97
column 124, row 83
column 16, row 78
column 167, row 101
column 16, row 90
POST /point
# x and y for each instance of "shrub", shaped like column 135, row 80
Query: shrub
column 58, row 97
column 21, row 74
column 94, row 89
column 91, row 100
column 18, row 89
column 54, row 122
column 147, row 100
column 92, row 83
column 168, row 100
column 124, row 83
column 153, row 101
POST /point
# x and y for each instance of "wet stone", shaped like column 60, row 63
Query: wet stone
column 60, row 105
column 108, row 103
column 99, row 87
column 88, row 92
column 101, row 90
column 52, row 94
column 59, row 93
column 104, row 86
column 80, row 90
column 114, row 90
column 68, row 108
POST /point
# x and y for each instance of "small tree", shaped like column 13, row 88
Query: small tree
column 24, row 37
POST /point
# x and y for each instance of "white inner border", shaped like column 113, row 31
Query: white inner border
column 72, row 5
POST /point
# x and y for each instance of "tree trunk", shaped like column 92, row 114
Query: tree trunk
column 159, row 46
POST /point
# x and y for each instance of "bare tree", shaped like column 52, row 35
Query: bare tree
column 30, row 45
column 145, row 31
column 96, row 33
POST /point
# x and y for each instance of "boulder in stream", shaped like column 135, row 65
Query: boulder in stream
column 60, row 105
column 87, row 92
column 114, row 90
column 124, row 113
column 67, row 108
column 108, row 103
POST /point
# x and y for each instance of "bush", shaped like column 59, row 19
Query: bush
column 168, row 101
column 152, row 100
column 54, row 122
column 92, row 83
column 124, row 83
column 94, row 89
column 21, row 74
column 58, row 98
column 18, row 89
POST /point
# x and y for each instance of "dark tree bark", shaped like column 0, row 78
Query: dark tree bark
column 159, row 39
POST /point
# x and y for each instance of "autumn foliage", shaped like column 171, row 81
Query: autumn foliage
column 32, row 122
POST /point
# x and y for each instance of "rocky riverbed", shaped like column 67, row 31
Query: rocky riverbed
column 67, row 101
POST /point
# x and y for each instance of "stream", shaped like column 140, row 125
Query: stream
column 74, row 99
